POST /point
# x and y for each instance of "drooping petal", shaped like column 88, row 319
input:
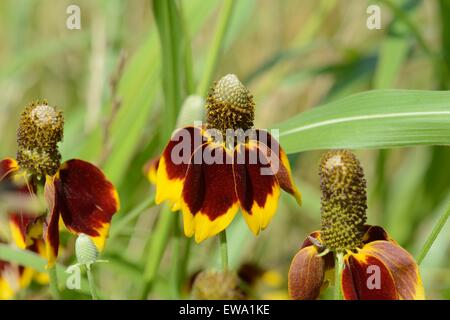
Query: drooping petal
column 173, row 164
column 51, row 225
column 306, row 274
column 279, row 162
column 209, row 200
column 6, row 287
column 151, row 168
column 25, row 228
column 402, row 267
column 7, row 167
column 257, row 187
column 374, row 233
column 26, row 274
column 85, row 199
column 365, row 277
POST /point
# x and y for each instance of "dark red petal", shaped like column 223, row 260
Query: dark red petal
column 402, row 266
column 209, row 200
column 86, row 199
column 256, row 186
column 366, row 277
column 374, row 233
column 174, row 162
column 279, row 162
column 51, row 225
column 306, row 274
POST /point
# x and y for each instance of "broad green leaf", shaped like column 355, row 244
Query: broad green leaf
column 372, row 119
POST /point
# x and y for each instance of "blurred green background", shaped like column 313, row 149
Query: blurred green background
column 292, row 55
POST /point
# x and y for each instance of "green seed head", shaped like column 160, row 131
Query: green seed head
column 40, row 129
column 216, row 285
column 344, row 200
column 230, row 105
column 85, row 250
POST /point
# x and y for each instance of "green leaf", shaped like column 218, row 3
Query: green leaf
column 30, row 259
column 372, row 119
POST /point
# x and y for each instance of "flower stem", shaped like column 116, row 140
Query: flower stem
column 224, row 249
column 91, row 283
column 53, row 278
column 157, row 245
column 338, row 261
column 433, row 235
column 216, row 47
column 176, row 263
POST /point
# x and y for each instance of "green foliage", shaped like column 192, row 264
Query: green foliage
column 317, row 75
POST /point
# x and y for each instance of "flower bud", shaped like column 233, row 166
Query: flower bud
column 85, row 250
column 216, row 285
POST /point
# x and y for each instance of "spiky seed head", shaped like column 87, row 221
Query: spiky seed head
column 343, row 200
column 216, row 285
column 40, row 130
column 230, row 105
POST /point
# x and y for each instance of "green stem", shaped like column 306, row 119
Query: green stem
column 53, row 282
column 433, row 235
column 185, row 259
column 224, row 249
column 157, row 245
column 216, row 47
column 187, row 57
column 118, row 226
column 91, row 283
column 176, row 264
column 338, row 261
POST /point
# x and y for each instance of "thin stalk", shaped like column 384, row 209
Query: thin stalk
column 224, row 249
column 91, row 281
column 185, row 259
column 118, row 226
column 216, row 47
column 433, row 235
column 176, row 264
column 187, row 57
column 338, row 261
column 157, row 245
column 53, row 278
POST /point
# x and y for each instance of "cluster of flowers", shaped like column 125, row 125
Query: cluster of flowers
column 243, row 172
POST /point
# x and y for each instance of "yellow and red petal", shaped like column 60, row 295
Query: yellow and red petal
column 257, row 187
column 7, row 167
column 151, row 168
column 209, row 202
column 402, row 266
column 6, row 287
column 173, row 164
column 280, row 163
column 7, row 274
column 51, row 225
column 18, row 225
column 85, row 199
column 306, row 274
column 365, row 277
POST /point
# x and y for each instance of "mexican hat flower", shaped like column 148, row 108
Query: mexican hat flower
column 76, row 191
column 373, row 266
column 210, row 171
column 25, row 224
